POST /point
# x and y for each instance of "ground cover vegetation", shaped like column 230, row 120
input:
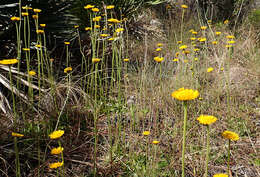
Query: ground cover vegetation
column 129, row 88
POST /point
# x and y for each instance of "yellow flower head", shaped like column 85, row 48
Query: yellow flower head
column 185, row 61
column 88, row 28
column 220, row 175
column 96, row 19
column 56, row 165
column 97, row 26
column 179, row 42
column 191, row 30
column 159, row 45
column 192, row 38
column 95, row 9
column 196, row 59
column 175, row 59
column 196, row 49
column 203, row 39
column 156, row 142
column 222, row 68
column 186, row 52
column 118, row 30
column 158, row 49
column 111, row 39
column 67, row 43
column 8, row 61
column 113, row 20
column 214, row 42
column 76, row 26
column 228, row 46
column 15, row 18
column 126, row 59
column 230, row 37
column 35, row 16
column 210, row 69
column 206, row 119
column 183, row 47
column 17, row 134
column 184, row 6
column 43, row 25
column 158, row 59
column 230, row 135
column 56, row 134
column 104, row 35
column 26, row 8
column 32, row 73
column 218, row 32
column 226, row 22
column 177, row 54
column 39, row 31
column 38, row 46
column 146, row 133
column 95, row 60
column 110, row 7
column 26, row 49
column 25, row 14
column 37, row 10
column 203, row 27
column 67, row 70
column 231, row 42
column 185, row 94
column 194, row 32
column 56, row 151
column 88, row 6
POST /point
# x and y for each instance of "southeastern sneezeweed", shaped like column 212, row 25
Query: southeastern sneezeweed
column 17, row 161
column 220, row 175
column 207, row 120
column 184, row 95
column 231, row 136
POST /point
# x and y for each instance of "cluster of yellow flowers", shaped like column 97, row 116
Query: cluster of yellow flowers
column 147, row 133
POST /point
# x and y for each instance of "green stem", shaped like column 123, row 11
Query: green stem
column 207, row 155
column 228, row 163
column 184, row 137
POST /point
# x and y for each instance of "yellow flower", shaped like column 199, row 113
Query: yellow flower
column 158, row 59
column 118, row 30
column 35, row 16
column 203, row 39
column 230, row 37
column 26, row 8
column 184, row 6
column 214, row 42
column 220, row 175
column 95, row 60
column 209, row 21
column 226, row 22
column 231, row 42
column 56, row 134
column 158, row 49
column 196, row 59
column 37, row 10
column 95, row 9
column 56, row 151
column 88, row 6
column 52, row 59
column 159, row 45
column 206, row 119
column 67, row 70
column 194, row 32
column 191, row 30
column 39, row 31
column 56, row 165
column 185, row 94
column 218, row 32
column 15, row 18
column 177, row 54
column 8, row 61
column 110, row 7
column 96, row 19
column 97, row 26
column 67, row 43
column 104, row 29
column 25, row 13
column 175, row 59
column 32, row 73
column 113, row 20
column 192, row 38
column 111, row 39
column 179, row 42
column 156, row 142
column 186, row 52
column 196, row 50
column 230, row 135
column 26, row 49
column 104, row 35
column 146, row 133
column 43, row 25
column 203, row 27
column 126, row 59
column 210, row 69
column 88, row 28
column 228, row 46
column 38, row 46
column 17, row 134
column 183, row 47
column 222, row 68
column 185, row 61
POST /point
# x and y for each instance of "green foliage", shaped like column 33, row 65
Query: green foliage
column 254, row 18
